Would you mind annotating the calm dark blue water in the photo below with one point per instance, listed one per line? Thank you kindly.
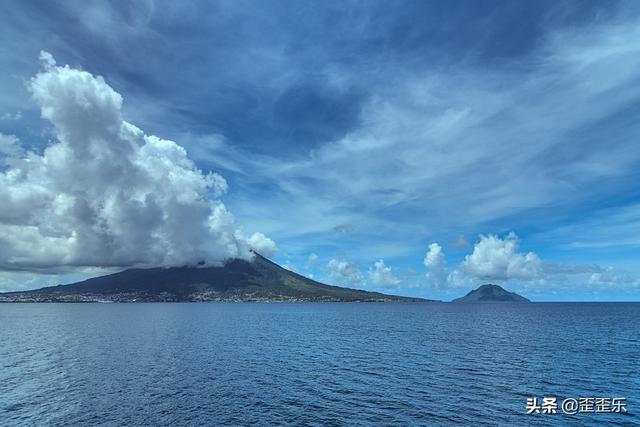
(313, 364)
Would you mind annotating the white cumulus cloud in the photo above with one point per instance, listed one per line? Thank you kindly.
(261, 244)
(382, 276)
(104, 193)
(494, 258)
(436, 263)
(344, 272)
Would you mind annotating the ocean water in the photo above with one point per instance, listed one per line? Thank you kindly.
(314, 364)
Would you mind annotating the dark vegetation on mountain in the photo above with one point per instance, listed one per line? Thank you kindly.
(491, 293)
(237, 280)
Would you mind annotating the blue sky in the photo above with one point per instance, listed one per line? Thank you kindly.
(357, 134)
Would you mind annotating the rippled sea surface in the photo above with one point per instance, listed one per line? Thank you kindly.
(314, 364)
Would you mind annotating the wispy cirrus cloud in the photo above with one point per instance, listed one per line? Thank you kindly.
(474, 147)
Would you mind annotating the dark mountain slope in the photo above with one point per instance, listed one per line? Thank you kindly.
(491, 293)
(238, 280)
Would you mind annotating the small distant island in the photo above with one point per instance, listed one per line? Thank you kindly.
(490, 293)
(238, 280)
